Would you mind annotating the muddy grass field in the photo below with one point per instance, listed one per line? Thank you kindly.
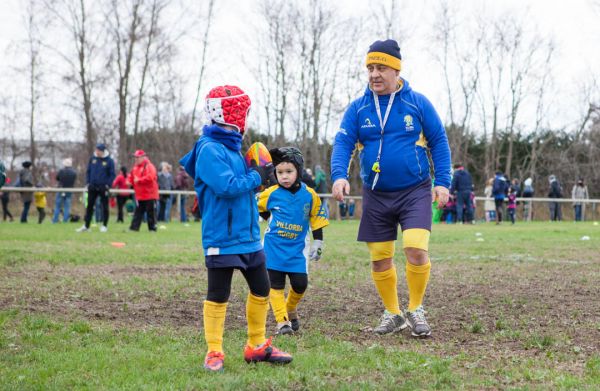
(511, 307)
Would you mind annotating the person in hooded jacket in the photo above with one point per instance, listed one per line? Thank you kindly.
(99, 177)
(144, 180)
(230, 231)
(555, 191)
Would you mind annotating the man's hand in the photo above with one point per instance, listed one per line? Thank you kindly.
(441, 194)
(340, 187)
(316, 249)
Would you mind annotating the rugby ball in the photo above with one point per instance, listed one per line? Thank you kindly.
(258, 155)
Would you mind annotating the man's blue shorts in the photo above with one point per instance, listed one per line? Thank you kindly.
(384, 210)
(237, 261)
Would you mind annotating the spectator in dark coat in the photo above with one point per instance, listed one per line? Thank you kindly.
(555, 192)
(462, 186)
(26, 180)
(307, 178)
(165, 182)
(66, 179)
(182, 182)
(100, 175)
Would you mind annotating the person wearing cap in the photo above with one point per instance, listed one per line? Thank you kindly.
(393, 127)
(99, 176)
(230, 233)
(144, 180)
(25, 179)
(66, 177)
(292, 209)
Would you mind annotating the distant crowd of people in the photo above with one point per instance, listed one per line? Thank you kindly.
(100, 176)
(501, 202)
(144, 204)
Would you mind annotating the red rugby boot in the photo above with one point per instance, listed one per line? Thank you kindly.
(214, 361)
(267, 353)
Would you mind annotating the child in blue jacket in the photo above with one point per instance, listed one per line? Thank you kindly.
(230, 230)
(294, 209)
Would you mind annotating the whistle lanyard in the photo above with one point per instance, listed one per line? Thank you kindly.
(382, 124)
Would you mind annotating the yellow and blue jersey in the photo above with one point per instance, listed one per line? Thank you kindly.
(286, 241)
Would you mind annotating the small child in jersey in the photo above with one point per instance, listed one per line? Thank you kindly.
(40, 203)
(292, 209)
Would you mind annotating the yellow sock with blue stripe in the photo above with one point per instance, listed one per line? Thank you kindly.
(293, 299)
(386, 284)
(256, 315)
(417, 277)
(277, 299)
(214, 323)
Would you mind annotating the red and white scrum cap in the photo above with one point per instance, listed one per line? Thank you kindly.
(228, 105)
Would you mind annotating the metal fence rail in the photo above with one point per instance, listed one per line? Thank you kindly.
(538, 204)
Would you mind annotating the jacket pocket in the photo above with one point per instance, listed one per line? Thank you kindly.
(229, 221)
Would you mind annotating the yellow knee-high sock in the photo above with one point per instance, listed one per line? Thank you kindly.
(256, 315)
(293, 298)
(386, 284)
(417, 277)
(277, 298)
(214, 322)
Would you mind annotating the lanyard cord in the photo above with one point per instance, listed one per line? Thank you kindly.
(382, 124)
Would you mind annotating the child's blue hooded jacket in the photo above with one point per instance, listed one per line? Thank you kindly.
(225, 189)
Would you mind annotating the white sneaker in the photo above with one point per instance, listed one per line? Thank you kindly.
(104, 228)
(82, 229)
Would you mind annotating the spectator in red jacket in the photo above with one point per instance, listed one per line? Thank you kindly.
(120, 183)
(144, 180)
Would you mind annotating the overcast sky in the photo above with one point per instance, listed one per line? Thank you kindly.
(573, 24)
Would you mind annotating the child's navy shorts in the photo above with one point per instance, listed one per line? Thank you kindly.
(238, 261)
(384, 210)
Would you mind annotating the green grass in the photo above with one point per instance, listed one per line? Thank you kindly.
(518, 310)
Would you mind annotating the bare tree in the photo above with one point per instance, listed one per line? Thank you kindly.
(126, 35)
(33, 42)
(464, 61)
(205, 35)
(150, 36)
(74, 16)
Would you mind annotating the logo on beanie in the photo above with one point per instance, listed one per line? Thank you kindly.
(367, 124)
(408, 123)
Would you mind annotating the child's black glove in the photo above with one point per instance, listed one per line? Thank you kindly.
(266, 172)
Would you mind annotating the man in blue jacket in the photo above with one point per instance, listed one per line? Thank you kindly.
(99, 177)
(462, 186)
(392, 127)
(230, 230)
